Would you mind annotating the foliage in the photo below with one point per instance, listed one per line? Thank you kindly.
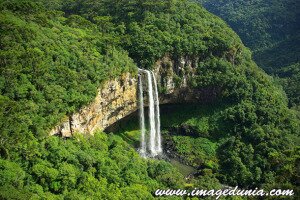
(154, 28)
(235, 148)
(81, 167)
(50, 67)
(261, 24)
(196, 151)
(55, 54)
(270, 28)
(290, 80)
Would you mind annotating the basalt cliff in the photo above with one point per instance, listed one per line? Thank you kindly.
(117, 98)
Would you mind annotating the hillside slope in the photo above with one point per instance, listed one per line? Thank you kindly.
(55, 54)
(261, 24)
(269, 28)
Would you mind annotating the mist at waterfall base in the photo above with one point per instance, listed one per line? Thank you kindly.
(150, 143)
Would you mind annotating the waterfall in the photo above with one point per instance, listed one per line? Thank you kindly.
(154, 146)
(151, 115)
(157, 119)
(142, 118)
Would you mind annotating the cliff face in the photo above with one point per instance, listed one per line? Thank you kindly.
(118, 98)
(174, 78)
(115, 99)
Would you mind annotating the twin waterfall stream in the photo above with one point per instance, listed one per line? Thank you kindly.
(151, 142)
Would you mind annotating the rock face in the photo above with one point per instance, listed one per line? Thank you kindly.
(118, 98)
(115, 100)
(174, 77)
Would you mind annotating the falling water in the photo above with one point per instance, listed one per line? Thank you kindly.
(154, 146)
(151, 115)
(142, 118)
(157, 118)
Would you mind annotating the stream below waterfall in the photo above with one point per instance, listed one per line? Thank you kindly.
(185, 170)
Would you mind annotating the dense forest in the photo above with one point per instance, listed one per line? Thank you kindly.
(266, 27)
(271, 29)
(54, 54)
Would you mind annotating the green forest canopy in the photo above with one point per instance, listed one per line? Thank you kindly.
(271, 29)
(54, 56)
(261, 24)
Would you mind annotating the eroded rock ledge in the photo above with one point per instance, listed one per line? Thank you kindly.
(117, 98)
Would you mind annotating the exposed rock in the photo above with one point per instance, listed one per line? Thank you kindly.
(174, 77)
(115, 100)
(118, 98)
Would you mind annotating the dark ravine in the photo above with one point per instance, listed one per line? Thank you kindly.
(117, 98)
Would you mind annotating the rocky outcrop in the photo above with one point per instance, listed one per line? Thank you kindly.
(117, 98)
(174, 76)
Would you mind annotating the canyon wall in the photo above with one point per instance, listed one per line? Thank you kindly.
(174, 76)
(117, 98)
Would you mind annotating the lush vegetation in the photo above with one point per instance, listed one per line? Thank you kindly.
(269, 27)
(217, 146)
(100, 167)
(226, 151)
(290, 79)
(54, 54)
(261, 24)
(50, 66)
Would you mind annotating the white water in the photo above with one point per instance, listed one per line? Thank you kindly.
(142, 118)
(151, 115)
(154, 145)
(157, 118)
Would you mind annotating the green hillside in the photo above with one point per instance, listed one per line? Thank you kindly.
(270, 28)
(260, 24)
(53, 56)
